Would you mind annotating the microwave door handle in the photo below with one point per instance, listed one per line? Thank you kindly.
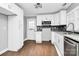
(70, 43)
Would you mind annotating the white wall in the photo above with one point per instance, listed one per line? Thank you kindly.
(15, 29)
(73, 5)
(3, 32)
(25, 27)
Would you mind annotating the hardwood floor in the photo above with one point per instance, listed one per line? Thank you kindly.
(31, 48)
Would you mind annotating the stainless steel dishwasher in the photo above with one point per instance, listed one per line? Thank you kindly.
(71, 47)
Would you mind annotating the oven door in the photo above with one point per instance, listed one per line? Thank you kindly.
(70, 48)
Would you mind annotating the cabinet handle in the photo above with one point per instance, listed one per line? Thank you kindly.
(70, 43)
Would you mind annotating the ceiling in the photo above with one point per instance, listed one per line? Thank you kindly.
(47, 8)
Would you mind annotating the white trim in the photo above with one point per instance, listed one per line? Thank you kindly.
(16, 49)
(28, 39)
(38, 41)
(73, 10)
(25, 39)
(1, 52)
(58, 50)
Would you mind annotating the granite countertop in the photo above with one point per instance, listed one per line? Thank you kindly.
(71, 35)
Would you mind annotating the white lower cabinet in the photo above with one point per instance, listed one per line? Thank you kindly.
(38, 37)
(61, 43)
(58, 41)
(53, 37)
(62, 17)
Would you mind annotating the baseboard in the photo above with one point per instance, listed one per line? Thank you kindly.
(1, 52)
(38, 41)
(57, 50)
(28, 39)
(16, 49)
(25, 39)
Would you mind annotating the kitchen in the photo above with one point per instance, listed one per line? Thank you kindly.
(40, 23)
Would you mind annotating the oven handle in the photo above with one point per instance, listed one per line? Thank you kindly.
(70, 43)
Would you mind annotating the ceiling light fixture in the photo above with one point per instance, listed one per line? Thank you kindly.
(38, 5)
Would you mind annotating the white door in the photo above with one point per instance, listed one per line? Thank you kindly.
(31, 29)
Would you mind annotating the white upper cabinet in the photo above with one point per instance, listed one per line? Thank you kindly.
(56, 19)
(59, 18)
(7, 8)
(39, 20)
(62, 17)
(50, 18)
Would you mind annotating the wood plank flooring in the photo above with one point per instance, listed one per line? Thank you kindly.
(31, 48)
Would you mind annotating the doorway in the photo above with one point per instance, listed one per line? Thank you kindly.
(31, 26)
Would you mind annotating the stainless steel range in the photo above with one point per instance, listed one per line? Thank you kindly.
(71, 47)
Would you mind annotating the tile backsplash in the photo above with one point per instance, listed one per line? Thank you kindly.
(58, 28)
(53, 28)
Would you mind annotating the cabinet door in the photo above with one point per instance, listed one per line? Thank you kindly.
(53, 37)
(38, 37)
(39, 20)
(61, 43)
(62, 17)
(56, 39)
(51, 18)
(56, 19)
(46, 34)
(44, 18)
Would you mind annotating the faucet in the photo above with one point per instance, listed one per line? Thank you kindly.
(72, 25)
